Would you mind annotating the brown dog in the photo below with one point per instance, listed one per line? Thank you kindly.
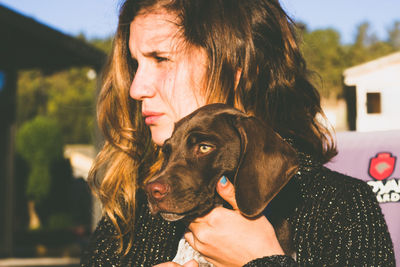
(218, 140)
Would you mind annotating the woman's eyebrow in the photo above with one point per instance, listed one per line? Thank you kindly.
(155, 53)
(152, 53)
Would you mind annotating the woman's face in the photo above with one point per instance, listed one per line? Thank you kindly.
(169, 80)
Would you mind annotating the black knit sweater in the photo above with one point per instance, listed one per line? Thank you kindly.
(336, 222)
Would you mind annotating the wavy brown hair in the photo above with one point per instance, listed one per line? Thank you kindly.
(254, 65)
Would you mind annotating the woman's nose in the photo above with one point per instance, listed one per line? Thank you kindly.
(141, 86)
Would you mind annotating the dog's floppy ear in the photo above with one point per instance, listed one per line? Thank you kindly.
(267, 163)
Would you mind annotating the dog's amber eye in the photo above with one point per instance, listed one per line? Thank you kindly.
(204, 148)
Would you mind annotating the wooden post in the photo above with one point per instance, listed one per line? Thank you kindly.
(8, 88)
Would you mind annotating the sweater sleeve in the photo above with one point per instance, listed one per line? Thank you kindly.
(103, 246)
(365, 237)
(273, 261)
(155, 241)
(341, 224)
(338, 226)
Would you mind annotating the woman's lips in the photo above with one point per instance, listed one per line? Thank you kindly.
(151, 117)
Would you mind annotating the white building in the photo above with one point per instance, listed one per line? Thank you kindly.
(376, 94)
(81, 158)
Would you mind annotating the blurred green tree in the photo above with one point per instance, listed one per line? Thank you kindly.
(66, 96)
(54, 109)
(366, 46)
(39, 142)
(394, 35)
(104, 45)
(71, 101)
(32, 95)
(325, 56)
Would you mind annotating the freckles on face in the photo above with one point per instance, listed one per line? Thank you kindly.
(169, 79)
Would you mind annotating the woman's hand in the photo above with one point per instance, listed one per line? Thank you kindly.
(226, 238)
(191, 263)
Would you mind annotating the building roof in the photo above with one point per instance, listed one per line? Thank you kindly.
(371, 66)
(26, 43)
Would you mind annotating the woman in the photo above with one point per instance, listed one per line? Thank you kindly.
(171, 57)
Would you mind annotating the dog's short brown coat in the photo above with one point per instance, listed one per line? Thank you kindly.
(218, 140)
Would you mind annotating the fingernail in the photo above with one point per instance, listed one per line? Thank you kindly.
(223, 180)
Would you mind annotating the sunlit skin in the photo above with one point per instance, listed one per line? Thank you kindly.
(169, 82)
(170, 72)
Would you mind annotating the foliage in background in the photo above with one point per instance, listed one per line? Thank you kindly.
(55, 200)
(327, 57)
(53, 109)
(104, 45)
(67, 96)
(39, 142)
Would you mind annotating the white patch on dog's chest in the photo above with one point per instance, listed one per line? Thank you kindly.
(186, 253)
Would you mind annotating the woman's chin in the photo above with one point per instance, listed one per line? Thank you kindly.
(159, 135)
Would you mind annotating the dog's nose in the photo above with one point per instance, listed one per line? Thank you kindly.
(157, 190)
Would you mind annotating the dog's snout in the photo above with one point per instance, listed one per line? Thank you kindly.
(157, 190)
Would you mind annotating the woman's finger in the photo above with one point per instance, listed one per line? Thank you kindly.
(190, 239)
(191, 263)
(227, 191)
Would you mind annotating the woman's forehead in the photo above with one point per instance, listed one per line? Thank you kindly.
(154, 31)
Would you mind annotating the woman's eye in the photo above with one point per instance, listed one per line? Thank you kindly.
(160, 59)
(204, 148)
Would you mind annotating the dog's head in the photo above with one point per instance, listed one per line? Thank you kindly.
(213, 141)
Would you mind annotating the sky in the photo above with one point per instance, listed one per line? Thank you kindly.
(98, 18)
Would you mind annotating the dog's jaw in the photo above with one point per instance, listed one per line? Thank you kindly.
(171, 217)
(189, 215)
(168, 216)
